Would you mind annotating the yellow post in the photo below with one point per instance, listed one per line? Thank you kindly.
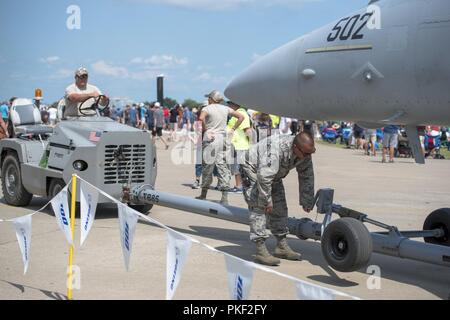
(72, 228)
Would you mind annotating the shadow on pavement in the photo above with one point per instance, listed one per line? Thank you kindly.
(50, 294)
(432, 278)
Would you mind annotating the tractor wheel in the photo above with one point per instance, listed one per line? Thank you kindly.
(439, 219)
(56, 185)
(346, 245)
(13, 189)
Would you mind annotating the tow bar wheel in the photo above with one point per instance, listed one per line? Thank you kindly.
(346, 245)
(439, 219)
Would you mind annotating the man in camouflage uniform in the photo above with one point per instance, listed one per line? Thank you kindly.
(214, 118)
(270, 161)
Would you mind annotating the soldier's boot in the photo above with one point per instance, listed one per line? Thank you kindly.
(224, 200)
(203, 195)
(283, 251)
(263, 255)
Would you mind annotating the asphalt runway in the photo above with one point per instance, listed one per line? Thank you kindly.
(401, 194)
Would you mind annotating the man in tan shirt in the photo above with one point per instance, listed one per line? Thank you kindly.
(79, 92)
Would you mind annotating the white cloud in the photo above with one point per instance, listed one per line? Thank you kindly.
(50, 60)
(62, 74)
(218, 5)
(207, 77)
(103, 68)
(160, 61)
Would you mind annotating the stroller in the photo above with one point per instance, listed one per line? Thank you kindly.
(433, 146)
(329, 135)
(403, 148)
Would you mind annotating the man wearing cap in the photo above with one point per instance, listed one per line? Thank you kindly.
(270, 161)
(214, 118)
(79, 92)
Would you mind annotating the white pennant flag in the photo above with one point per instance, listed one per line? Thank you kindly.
(240, 278)
(177, 251)
(309, 292)
(127, 222)
(88, 206)
(23, 234)
(62, 213)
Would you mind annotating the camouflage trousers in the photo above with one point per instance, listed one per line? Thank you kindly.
(259, 220)
(214, 155)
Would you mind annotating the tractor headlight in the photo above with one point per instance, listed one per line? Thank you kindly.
(80, 165)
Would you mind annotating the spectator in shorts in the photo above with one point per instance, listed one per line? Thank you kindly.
(371, 139)
(390, 142)
(358, 133)
(159, 123)
(173, 122)
(151, 119)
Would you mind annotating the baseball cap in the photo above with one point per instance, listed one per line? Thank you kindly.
(215, 96)
(157, 104)
(81, 72)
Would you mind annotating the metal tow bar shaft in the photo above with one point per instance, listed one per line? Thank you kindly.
(303, 228)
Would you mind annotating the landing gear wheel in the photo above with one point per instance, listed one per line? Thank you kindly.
(439, 219)
(13, 189)
(144, 209)
(346, 245)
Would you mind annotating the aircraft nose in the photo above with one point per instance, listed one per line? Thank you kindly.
(271, 83)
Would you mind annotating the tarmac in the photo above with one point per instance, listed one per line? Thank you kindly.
(400, 194)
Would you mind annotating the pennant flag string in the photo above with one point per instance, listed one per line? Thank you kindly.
(240, 271)
(254, 265)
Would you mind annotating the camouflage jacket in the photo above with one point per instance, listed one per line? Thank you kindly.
(274, 160)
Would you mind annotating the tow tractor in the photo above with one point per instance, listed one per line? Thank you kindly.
(39, 159)
(120, 160)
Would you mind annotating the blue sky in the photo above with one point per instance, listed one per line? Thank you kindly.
(199, 45)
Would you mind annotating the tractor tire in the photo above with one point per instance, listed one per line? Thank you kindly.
(56, 185)
(13, 189)
(438, 219)
(346, 245)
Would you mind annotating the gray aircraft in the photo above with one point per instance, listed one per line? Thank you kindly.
(387, 63)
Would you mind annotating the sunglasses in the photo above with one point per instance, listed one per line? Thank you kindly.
(83, 76)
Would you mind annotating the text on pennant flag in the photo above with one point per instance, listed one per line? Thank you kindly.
(178, 248)
(23, 234)
(240, 277)
(62, 213)
(88, 207)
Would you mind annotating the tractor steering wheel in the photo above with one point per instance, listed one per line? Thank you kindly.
(83, 109)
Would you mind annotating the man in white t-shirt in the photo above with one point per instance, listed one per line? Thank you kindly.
(52, 115)
(79, 92)
(215, 118)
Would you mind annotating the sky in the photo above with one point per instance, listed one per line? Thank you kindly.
(198, 45)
